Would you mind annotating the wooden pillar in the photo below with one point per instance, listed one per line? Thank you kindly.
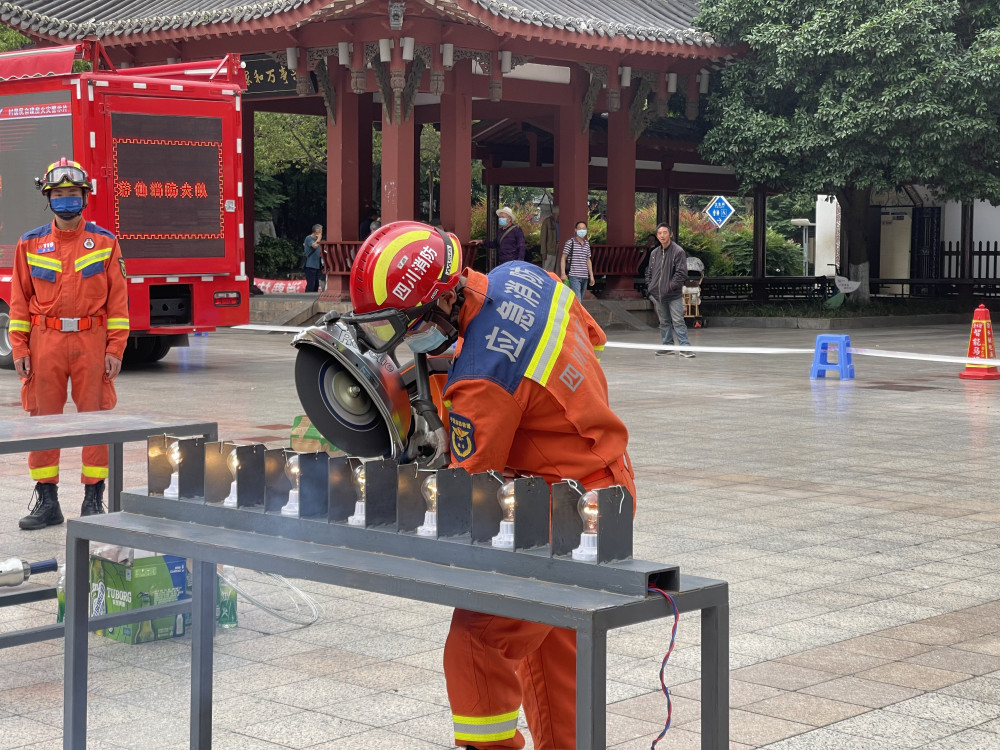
(758, 268)
(398, 178)
(366, 180)
(668, 208)
(492, 206)
(456, 151)
(343, 201)
(621, 175)
(572, 159)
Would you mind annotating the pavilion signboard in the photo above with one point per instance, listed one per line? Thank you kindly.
(266, 77)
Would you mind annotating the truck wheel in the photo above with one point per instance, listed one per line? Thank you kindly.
(6, 352)
(160, 348)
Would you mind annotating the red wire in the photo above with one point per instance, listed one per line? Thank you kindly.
(663, 665)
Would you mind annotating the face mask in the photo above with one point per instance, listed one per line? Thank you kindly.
(581, 232)
(503, 222)
(427, 341)
(67, 208)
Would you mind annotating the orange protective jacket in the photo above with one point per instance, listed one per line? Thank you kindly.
(69, 274)
(526, 391)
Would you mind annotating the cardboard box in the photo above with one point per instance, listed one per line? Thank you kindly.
(150, 579)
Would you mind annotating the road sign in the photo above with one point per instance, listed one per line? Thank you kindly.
(719, 211)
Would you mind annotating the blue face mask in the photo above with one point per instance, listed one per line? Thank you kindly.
(426, 341)
(503, 222)
(67, 208)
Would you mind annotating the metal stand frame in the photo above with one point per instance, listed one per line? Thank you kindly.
(74, 431)
(588, 611)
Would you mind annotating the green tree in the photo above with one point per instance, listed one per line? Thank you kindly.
(11, 40)
(851, 97)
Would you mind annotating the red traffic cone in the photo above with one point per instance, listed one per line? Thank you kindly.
(981, 347)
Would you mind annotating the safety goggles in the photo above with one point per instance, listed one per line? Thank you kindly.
(383, 330)
(66, 177)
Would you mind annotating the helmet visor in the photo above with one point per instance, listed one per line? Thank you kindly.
(66, 177)
(383, 330)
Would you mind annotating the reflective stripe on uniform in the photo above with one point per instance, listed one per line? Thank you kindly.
(45, 472)
(95, 472)
(19, 325)
(117, 323)
(599, 350)
(485, 728)
(550, 345)
(43, 262)
(98, 255)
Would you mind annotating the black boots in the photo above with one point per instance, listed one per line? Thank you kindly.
(44, 511)
(93, 499)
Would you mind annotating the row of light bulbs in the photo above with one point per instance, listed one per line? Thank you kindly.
(587, 506)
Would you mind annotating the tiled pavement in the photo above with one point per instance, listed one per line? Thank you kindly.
(856, 523)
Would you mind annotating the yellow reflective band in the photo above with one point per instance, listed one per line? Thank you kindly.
(550, 345)
(46, 472)
(385, 261)
(42, 262)
(19, 325)
(93, 257)
(599, 348)
(117, 323)
(484, 719)
(485, 728)
(95, 472)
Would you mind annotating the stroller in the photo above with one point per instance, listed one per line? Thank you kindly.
(692, 293)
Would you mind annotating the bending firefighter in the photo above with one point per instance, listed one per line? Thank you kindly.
(526, 396)
(68, 323)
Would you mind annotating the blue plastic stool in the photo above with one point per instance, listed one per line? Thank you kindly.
(821, 362)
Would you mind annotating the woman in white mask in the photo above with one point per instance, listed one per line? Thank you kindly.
(575, 267)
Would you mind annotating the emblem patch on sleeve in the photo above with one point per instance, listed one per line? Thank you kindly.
(463, 437)
(121, 262)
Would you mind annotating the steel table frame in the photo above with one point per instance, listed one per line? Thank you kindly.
(591, 613)
(75, 430)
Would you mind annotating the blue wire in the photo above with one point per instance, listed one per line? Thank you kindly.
(663, 665)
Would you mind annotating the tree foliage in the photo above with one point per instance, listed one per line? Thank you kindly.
(851, 97)
(11, 40)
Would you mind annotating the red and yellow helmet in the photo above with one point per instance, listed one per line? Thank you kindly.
(64, 173)
(404, 265)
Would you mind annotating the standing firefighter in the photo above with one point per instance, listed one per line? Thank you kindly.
(68, 322)
(526, 396)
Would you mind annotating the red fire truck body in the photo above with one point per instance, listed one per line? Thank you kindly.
(163, 148)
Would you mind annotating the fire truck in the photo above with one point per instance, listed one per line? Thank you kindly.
(162, 146)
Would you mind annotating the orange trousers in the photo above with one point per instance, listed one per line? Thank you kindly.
(58, 359)
(493, 665)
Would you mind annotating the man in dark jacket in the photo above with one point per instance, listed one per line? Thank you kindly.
(665, 278)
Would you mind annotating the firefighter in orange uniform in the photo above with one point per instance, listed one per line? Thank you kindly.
(68, 322)
(526, 396)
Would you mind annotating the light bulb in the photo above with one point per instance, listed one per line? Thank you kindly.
(360, 483)
(292, 470)
(505, 495)
(587, 508)
(359, 480)
(233, 464)
(174, 458)
(294, 473)
(429, 490)
(174, 454)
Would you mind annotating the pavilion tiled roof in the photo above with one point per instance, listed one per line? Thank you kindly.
(666, 21)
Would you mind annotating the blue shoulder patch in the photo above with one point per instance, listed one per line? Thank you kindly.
(501, 340)
(97, 229)
(38, 232)
(463, 437)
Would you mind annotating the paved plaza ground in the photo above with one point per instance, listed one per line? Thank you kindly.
(856, 522)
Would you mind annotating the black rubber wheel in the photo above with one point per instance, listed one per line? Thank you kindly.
(6, 353)
(159, 350)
